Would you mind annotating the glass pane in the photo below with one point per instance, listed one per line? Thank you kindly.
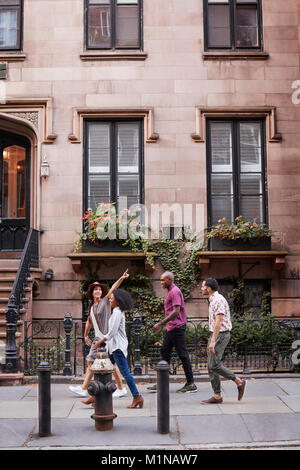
(221, 146)
(128, 2)
(99, 148)
(251, 184)
(98, 191)
(254, 293)
(128, 186)
(9, 28)
(219, 26)
(99, 26)
(221, 184)
(246, 26)
(14, 182)
(252, 208)
(218, 1)
(250, 147)
(221, 206)
(10, 2)
(246, 1)
(128, 147)
(127, 26)
(99, 2)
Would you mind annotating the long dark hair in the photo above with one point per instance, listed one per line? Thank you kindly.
(123, 299)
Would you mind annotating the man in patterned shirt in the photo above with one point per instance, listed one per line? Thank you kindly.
(220, 327)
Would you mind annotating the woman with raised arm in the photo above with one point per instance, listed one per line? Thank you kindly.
(99, 314)
(117, 342)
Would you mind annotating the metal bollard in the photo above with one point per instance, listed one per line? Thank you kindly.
(68, 325)
(163, 398)
(102, 389)
(44, 397)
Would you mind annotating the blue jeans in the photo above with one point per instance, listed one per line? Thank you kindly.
(117, 357)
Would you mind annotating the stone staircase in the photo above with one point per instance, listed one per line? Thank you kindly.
(8, 272)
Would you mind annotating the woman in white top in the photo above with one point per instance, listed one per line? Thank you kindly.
(99, 313)
(117, 342)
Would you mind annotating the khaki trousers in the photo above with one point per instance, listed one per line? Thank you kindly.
(214, 362)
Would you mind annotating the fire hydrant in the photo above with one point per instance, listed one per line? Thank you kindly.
(102, 389)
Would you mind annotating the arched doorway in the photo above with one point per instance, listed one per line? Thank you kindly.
(15, 153)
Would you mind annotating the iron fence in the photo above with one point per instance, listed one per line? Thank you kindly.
(61, 343)
(29, 259)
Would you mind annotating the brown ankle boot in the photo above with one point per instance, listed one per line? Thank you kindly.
(138, 402)
(88, 401)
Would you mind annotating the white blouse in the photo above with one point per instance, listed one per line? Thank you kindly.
(116, 336)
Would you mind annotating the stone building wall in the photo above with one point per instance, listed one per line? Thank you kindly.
(174, 79)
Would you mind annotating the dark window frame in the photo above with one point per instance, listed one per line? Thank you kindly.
(249, 284)
(112, 46)
(20, 6)
(113, 158)
(232, 5)
(236, 166)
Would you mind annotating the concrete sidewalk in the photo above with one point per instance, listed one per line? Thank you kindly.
(268, 416)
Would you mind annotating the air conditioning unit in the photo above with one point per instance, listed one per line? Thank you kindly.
(3, 70)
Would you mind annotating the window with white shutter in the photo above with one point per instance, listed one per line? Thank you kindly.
(113, 162)
(236, 170)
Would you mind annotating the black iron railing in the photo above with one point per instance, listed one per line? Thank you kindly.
(61, 343)
(29, 259)
(53, 341)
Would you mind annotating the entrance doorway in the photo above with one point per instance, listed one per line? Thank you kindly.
(14, 191)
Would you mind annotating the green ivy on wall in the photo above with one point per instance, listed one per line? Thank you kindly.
(173, 256)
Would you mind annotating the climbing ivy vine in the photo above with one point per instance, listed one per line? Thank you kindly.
(173, 256)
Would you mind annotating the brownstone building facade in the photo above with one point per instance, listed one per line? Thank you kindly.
(201, 94)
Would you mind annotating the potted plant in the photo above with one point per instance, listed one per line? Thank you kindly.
(105, 230)
(241, 236)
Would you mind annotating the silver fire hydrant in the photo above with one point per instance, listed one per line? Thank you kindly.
(102, 389)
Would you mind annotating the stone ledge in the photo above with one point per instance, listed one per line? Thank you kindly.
(11, 379)
(241, 112)
(16, 57)
(236, 55)
(100, 55)
(78, 259)
(278, 257)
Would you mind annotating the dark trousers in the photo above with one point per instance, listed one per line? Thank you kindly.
(176, 338)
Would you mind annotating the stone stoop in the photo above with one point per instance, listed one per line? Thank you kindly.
(8, 272)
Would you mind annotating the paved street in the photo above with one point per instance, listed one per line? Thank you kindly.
(268, 416)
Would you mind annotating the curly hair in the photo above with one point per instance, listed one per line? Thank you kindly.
(123, 299)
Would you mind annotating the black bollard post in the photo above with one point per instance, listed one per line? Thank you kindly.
(68, 325)
(163, 398)
(44, 395)
(11, 352)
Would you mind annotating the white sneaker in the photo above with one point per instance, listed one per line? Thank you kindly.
(78, 390)
(120, 393)
(75, 387)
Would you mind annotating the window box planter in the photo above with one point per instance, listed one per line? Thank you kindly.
(104, 246)
(225, 244)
